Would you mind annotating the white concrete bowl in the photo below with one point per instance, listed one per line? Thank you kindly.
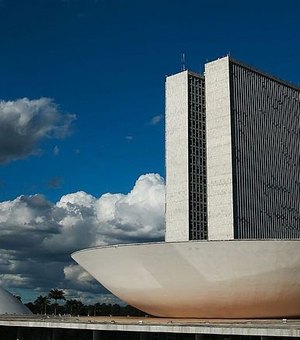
(202, 279)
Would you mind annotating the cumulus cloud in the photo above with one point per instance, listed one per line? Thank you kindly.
(80, 280)
(113, 218)
(37, 236)
(24, 123)
(74, 272)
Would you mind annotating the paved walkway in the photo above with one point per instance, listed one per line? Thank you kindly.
(272, 327)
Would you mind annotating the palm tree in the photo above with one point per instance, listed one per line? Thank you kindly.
(56, 294)
(74, 307)
(42, 302)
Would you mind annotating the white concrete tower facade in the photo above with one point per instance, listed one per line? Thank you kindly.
(232, 155)
(177, 203)
(186, 196)
(219, 146)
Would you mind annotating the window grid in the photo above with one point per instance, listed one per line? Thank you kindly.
(266, 144)
(197, 158)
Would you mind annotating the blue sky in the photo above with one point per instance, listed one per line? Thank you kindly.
(105, 62)
(103, 65)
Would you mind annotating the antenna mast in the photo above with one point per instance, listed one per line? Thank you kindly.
(183, 62)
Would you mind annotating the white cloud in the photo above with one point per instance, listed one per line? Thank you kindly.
(73, 201)
(113, 218)
(17, 280)
(156, 119)
(24, 123)
(80, 280)
(136, 215)
(74, 271)
(37, 236)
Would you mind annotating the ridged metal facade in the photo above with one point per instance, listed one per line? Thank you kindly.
(265, 120)
(197, 158)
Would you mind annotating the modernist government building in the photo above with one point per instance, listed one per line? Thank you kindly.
(232, 155)
(232, 245)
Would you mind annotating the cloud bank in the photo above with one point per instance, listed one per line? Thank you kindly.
(38, 236)
(24, 123)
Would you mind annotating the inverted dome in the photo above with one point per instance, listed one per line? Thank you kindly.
(11, 305)
(202, 279)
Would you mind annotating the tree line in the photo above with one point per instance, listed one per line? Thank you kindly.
(48, 304)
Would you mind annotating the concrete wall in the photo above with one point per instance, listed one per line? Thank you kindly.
(177, 207)
(219, 158)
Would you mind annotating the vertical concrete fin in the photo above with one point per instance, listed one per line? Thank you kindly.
(177, 195)
(219, 150)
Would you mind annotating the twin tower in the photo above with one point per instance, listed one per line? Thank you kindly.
(232, 155)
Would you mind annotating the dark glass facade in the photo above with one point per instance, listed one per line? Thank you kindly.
(265, 120)
(197, 158)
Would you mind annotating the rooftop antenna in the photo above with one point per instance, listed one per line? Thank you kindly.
(183, 62)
